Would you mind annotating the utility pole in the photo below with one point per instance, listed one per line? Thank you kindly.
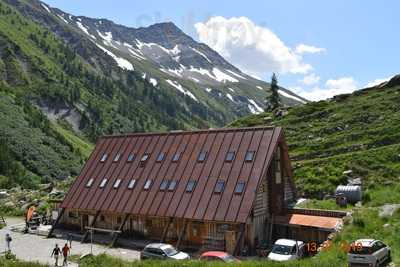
(91, 241)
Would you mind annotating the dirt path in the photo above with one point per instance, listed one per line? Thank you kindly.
(36, 248)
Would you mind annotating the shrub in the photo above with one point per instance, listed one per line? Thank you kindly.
(359, 222)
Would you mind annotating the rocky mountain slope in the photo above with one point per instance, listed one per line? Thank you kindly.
(348, 137)
(167, 58)
(65, 80)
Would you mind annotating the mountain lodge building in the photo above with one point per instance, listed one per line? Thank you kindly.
(214, 189)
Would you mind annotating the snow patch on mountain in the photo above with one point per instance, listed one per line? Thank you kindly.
(222, 76)
(281, 92)
(208, 90)
(230, 89)
(259, 87)
(176, 72)
(135, 54)
(237, 75)
(201, 54)
(122, 63)
(173, 52)
(84, 29)
(254, 107)
(46, 8)
(181, 89)
(63, 19)
(107, 37)
(230, 97)
(153, 81)
(202, 72)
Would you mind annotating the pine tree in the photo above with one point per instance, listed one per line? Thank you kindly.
(273, 100)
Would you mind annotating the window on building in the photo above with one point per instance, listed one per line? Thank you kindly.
(102, 218)
(90, 182)
(119, 220)
(131, 157)
(240, 187)
(278, 171)
(147, 184)
(202, 156)
(249, 156)
(219, 187)
(132, 183)
(103, 183)
(190, 186)
(230, 156)
(164, 185)
(176, 157)
(172, 185)
(117, 157)
(145, 157)
(117, 183)
(161, 157)
(104, 157)
(73, 215)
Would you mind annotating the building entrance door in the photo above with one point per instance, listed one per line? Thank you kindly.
(84, 222)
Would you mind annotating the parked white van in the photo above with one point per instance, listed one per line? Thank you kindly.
(286, 250)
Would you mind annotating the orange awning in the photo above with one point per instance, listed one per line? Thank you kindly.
(310, 221)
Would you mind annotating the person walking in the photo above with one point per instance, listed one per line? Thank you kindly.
(56, 253)
(8, 242)
(69, 240)
(65, 251)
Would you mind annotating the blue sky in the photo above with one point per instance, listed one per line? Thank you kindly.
(347, 43)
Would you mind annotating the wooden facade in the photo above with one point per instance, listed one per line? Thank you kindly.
(241, 183)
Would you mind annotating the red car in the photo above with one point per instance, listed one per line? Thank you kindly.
(218, 256)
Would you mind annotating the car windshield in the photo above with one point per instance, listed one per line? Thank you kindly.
(360, 250)
(229, 258)
(284, 250)
(170, 251)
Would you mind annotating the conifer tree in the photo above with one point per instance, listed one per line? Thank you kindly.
(273, 100)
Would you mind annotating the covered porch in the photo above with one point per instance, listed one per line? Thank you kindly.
(137, 231)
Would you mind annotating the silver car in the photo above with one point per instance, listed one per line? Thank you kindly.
(368, 252)
(161, 251)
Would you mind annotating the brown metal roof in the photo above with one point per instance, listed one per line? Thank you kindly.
(330, 223)
(200, 204)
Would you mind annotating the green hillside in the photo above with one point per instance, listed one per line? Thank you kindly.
(358, 132)
(54, 103)
(36, 71)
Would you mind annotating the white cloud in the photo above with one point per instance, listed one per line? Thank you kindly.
(310, 79)
(303, 49)
(377, 82)
(254, 49)
(332, 87)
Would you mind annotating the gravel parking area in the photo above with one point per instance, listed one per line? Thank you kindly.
(36, 248)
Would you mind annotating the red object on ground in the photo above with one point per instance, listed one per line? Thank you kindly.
(218, 255)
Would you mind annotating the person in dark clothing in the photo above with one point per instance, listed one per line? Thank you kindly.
(8, 242)
(65, 251)
(69, 240)
(56, 253)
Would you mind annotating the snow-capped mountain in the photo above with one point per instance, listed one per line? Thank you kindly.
(164, 56)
